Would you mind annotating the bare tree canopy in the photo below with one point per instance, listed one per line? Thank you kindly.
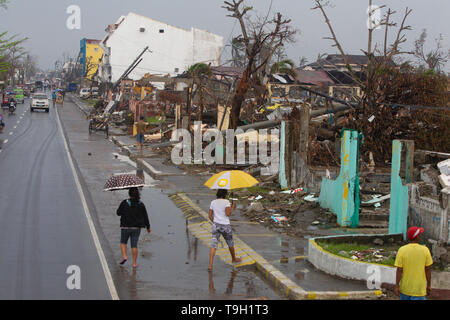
(386, 85)
(434, 59)
(261, 37)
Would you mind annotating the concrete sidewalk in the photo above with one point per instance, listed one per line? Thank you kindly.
(281, 260)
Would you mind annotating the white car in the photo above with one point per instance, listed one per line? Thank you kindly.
(94, 92)
(85, 93)
(40, 101)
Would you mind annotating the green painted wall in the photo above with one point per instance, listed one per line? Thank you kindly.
(398, 214)
(341, 196)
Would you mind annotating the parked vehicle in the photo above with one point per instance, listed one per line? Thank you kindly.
(85, 93)
(40, 101)
(94, 93)
(71, 87)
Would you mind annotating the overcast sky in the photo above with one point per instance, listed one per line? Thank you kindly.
(44, 22)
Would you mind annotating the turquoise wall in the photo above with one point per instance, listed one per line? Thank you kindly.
(341, 196)
(398, 214)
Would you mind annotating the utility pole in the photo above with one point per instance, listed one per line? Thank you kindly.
(131, 67)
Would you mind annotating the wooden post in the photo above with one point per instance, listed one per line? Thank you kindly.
(188, 105)
(185, 123)
(409, 161)
(305, 114)
(177, 116)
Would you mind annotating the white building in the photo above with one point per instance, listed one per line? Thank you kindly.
(173, 49)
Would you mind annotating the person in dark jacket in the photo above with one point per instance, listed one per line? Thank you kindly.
(133, 217)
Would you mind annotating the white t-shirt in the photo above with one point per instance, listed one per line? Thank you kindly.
(218, 207)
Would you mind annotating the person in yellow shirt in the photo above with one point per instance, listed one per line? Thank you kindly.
(413, 262)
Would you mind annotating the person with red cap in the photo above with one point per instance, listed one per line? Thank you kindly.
(413, 262)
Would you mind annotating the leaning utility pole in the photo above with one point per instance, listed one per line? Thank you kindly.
(131, 68)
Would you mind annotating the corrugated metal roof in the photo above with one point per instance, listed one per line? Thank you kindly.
(313, 77)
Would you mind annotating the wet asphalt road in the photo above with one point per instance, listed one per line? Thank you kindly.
(43, 227)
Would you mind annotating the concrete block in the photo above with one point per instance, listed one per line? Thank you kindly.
(444, 180)
(444, 167)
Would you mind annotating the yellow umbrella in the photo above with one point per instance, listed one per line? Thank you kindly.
(229, 180)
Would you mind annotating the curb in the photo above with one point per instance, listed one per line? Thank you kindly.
(277, 279)
(74, 101)
(345, 267)
(121, 145)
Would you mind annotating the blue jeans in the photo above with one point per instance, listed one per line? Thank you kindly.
(405, 297)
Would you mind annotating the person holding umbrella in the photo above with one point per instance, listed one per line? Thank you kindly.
(133, 216)
(221, 209)
(219, 213)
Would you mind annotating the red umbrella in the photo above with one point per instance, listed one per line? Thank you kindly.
(123, 181)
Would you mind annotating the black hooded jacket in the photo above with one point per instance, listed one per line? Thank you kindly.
(133, 214)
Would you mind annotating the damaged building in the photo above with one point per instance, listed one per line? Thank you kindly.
(171, 49)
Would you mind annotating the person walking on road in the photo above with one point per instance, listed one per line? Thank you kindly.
(133, 216)
(413, 262)
(140, 127)
(219, 213)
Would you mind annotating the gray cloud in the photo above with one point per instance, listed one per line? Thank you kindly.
(44, 22)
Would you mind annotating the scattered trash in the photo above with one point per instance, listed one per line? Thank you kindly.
(272, 192)
(255, 207)
(279, 218)
(376, 199)
(258, 197)
(315, 223)
(311, 198)
(294, 191)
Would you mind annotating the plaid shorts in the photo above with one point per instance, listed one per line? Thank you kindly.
(224, 230)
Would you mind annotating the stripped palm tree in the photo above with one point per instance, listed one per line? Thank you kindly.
(199, 73)
(284, 66)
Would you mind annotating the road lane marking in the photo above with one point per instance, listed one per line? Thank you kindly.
(11, 133)
(15, 127)
(5, 141)
(101, 255)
